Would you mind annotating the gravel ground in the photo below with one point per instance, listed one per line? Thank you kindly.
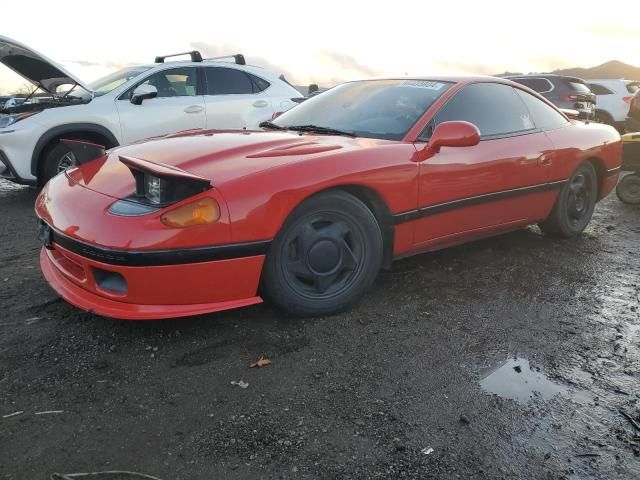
(511, 358)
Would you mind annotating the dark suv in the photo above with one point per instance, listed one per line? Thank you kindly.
(564, 92)
(632, 122)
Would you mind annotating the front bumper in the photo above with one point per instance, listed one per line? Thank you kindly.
(152, 292)
(16, 144)
(8, 172)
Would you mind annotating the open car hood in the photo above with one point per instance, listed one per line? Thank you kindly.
(35, 67)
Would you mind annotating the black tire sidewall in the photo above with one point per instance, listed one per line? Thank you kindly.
(623, 185)
(559, 223)
(274, 282)
(52, 159)
(604, 117)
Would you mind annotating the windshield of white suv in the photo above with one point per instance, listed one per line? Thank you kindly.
(385, 109)
(106, 84)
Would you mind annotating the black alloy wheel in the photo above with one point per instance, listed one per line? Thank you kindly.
(575, 204)
(326, 255)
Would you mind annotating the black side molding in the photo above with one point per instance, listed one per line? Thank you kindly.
(150, 258)
(476, 200)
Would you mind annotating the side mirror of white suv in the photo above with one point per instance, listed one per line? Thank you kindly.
(143, 92)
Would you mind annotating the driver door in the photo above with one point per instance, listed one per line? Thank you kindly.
(498, 183)
(177, 107)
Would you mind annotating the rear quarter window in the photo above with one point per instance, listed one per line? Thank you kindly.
(633, 87)
(599, 89)
(577, 85)
(539, 85)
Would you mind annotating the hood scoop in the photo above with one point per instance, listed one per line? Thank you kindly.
(303, 148)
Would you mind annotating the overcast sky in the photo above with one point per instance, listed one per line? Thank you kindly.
(329, 41)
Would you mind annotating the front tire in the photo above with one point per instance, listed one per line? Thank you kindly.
(328, 252)
(57, 160)
(575, 204)
(628, 190)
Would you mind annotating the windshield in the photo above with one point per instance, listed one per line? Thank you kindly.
(385, 109)
(106, 84)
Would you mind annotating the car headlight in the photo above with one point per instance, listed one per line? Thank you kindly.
(155, 189)
(8, 120)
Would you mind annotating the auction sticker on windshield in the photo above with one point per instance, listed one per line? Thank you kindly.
(428, 84)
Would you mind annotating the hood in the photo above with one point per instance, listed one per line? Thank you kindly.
(220, 156)
(35, 67)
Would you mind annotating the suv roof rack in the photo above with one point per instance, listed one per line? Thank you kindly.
(194, 54)
(238, 58)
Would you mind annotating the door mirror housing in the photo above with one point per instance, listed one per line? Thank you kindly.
(143, 92)
(450, 134)
(454, 134)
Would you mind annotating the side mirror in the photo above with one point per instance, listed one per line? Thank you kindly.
(450, 134)
(143, 92)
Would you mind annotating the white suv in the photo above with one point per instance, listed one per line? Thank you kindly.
(613, 97)
(128, 105)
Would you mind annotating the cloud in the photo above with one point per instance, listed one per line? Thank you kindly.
(84, 63)
(119, 65)
(327, 67)
(209, 50)
(348, 66)
(614, 30)
(462, 68)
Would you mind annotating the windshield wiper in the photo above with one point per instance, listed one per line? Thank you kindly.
(319, 129)
(270, 124)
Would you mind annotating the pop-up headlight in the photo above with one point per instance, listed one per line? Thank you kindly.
(162, 185)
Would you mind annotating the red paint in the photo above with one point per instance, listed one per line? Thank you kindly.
(258, 178)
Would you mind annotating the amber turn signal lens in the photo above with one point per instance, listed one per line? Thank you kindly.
(200, 212)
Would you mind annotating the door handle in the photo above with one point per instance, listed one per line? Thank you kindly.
(193, 109)
(545, 160)
(260, 103)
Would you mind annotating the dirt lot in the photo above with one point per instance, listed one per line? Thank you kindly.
(431, 376)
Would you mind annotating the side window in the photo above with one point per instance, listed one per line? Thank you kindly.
(599, 89)
(175, 82)
(494, 108)
(227, 81)
(540, 85)
(544, 116)
(259, 84)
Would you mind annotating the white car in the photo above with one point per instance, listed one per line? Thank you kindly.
(129, 105)
(613, 99)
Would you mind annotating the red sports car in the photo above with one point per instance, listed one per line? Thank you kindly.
(307, 210)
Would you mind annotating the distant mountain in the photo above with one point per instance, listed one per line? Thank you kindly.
(612, 69)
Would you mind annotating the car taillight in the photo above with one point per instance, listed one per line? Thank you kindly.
(200, 212)
(627, 100)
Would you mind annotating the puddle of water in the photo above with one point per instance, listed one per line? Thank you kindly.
(515, 379)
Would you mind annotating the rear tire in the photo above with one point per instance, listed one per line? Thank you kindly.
(628, 189)
(326, 255)
(575, 204)
(603, 117)
(57, 160)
